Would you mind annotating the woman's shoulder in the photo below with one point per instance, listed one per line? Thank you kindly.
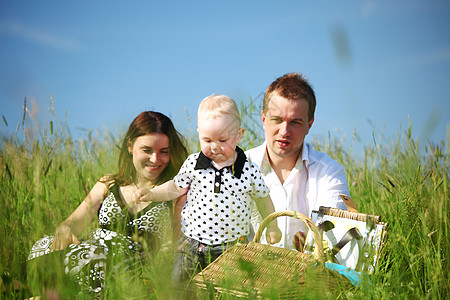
(105, 184)
(107, 179)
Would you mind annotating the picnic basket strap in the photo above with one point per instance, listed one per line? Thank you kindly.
(351, 206)
(352, 233)
(318, 251)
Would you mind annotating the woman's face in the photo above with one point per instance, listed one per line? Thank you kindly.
(150, 156)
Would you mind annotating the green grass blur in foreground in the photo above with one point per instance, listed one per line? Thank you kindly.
(45, 173)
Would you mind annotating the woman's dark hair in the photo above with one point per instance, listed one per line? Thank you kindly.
(148, 122)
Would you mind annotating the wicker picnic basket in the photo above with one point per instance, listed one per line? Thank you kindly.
(352, 239)
(263, 271)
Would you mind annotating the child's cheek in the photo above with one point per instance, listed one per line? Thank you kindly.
(205, 149)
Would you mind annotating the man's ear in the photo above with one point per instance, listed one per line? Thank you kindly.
(263, 116)
(310, 123)
(264, 119)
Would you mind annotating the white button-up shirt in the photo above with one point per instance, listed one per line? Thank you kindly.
(316, 180)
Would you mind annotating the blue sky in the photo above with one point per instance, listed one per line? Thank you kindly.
(373, 64)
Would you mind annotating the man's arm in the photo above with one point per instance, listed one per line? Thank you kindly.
(330, 185)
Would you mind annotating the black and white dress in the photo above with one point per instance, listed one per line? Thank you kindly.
(87, 262)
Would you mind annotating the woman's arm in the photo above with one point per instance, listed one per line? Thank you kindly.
(68, 231)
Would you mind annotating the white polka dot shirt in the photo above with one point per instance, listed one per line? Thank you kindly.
(218, 203)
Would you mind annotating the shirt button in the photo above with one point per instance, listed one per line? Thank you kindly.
(217, 173)
(217, 184)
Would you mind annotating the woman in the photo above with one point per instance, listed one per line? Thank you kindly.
(151, 153)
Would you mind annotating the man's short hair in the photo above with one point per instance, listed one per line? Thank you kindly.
(292, 86)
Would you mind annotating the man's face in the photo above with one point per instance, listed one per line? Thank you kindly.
(285, 126)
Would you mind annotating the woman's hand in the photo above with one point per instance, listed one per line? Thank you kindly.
(63, 238)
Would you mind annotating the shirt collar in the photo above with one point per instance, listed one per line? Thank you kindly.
(302, 160)
(204, 162)
(265, 163)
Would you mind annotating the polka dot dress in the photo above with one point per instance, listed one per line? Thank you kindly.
(86, 262)
(218, 203)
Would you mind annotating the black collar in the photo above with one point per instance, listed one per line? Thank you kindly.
(204, 162)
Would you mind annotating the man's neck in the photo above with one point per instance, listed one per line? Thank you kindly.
(282, 166)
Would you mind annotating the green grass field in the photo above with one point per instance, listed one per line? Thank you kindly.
(45, 173)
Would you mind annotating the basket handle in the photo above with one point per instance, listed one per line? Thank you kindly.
(318, 251)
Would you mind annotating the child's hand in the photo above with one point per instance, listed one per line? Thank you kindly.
(142, 195)
(273, 234)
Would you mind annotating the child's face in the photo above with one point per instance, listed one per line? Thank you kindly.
(219, 137)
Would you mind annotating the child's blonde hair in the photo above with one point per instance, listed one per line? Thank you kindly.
(218, 105)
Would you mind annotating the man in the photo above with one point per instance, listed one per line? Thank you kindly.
(299, 178)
